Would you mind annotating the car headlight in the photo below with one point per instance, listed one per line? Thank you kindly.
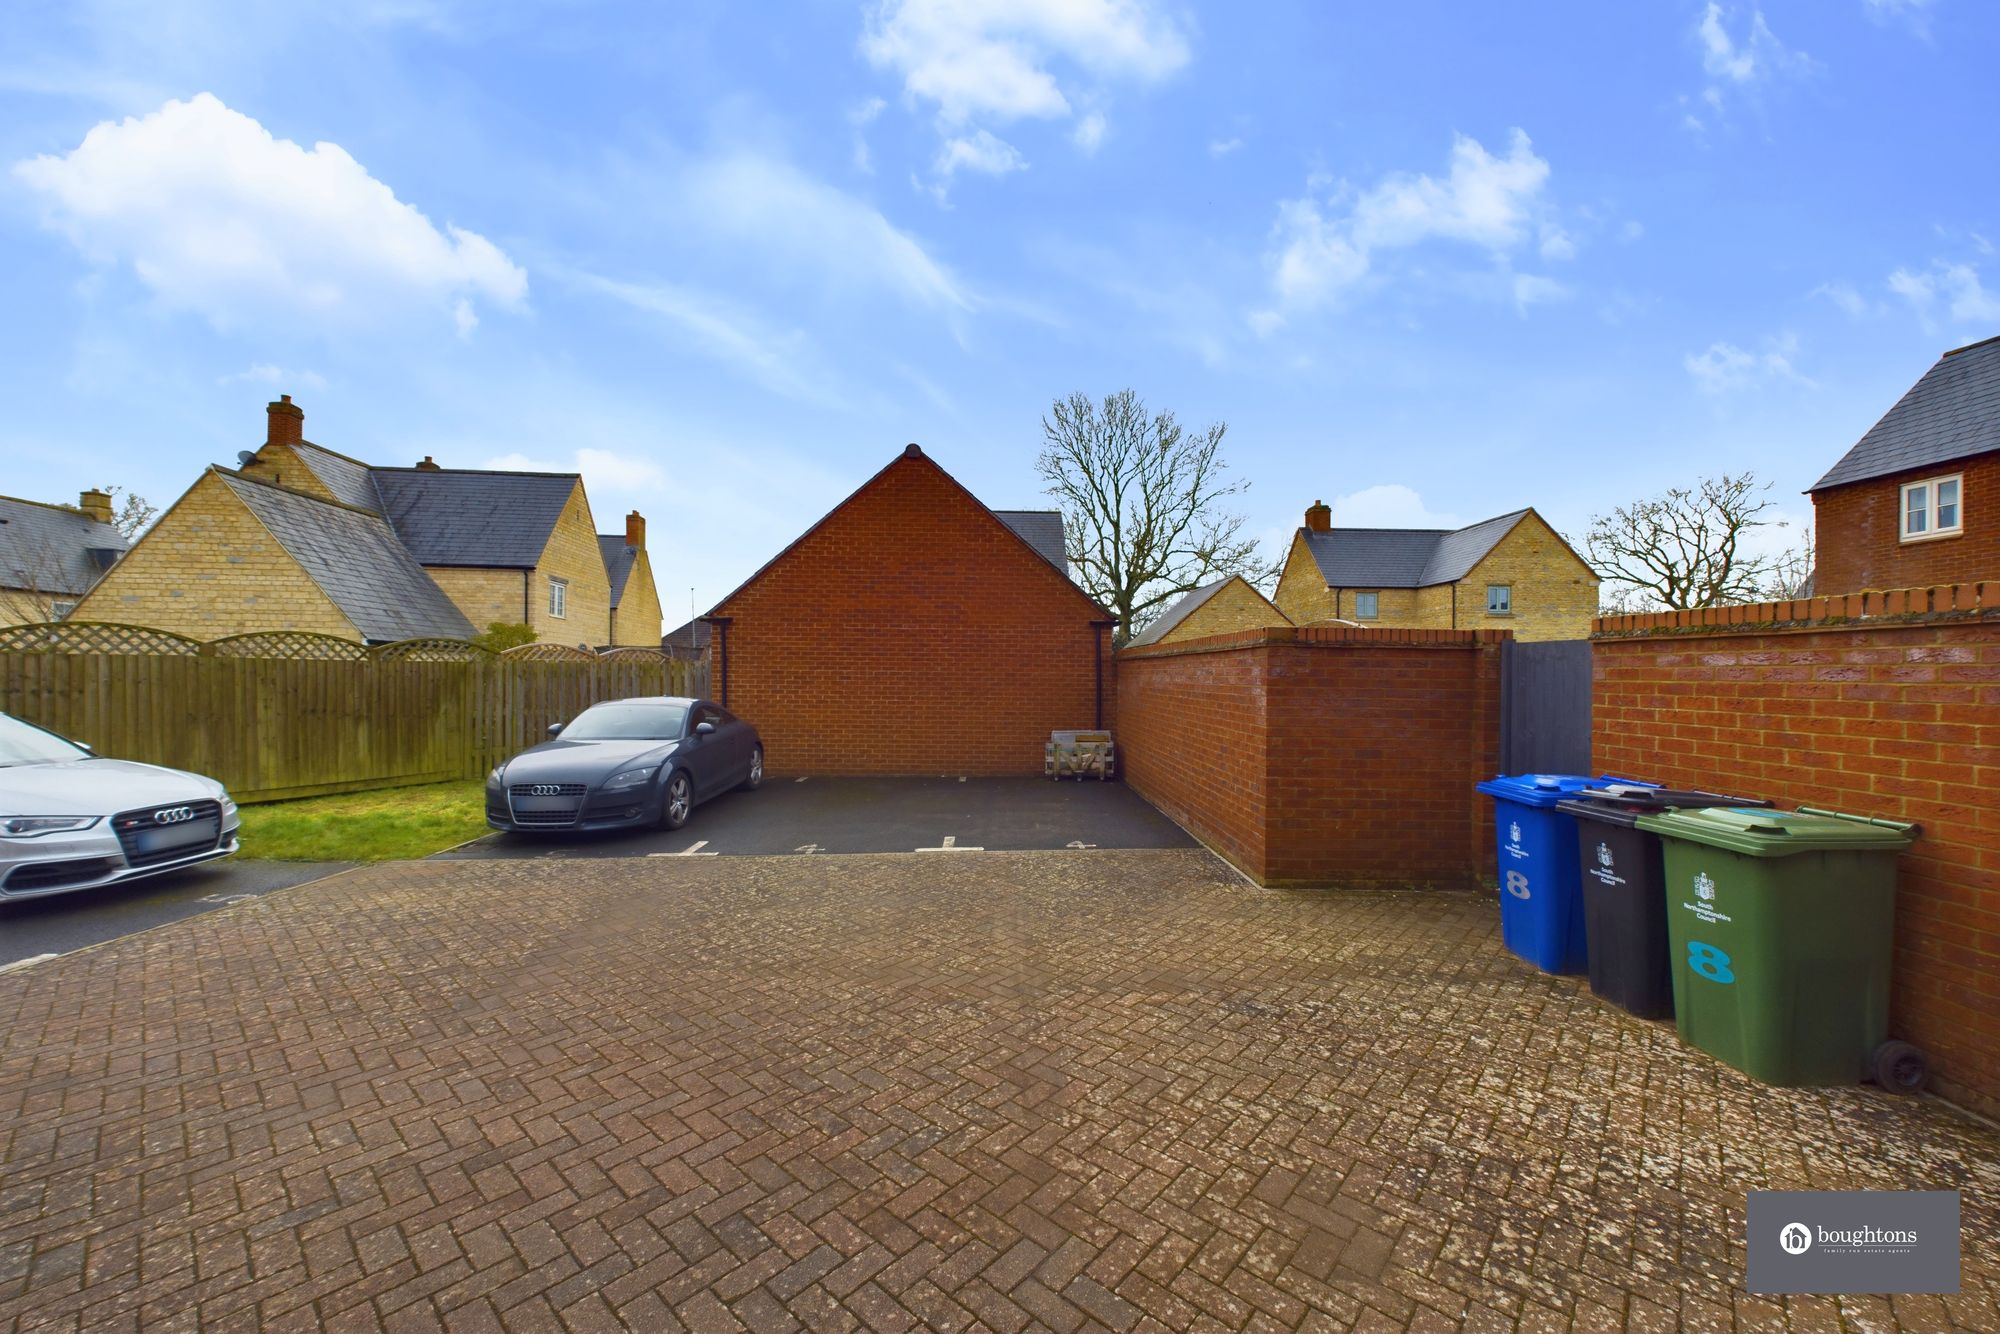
(228, 804)
(27, 826)
(494, 777)
(631, 777)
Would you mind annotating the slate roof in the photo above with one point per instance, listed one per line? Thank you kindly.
(454, 516)
(351, 481)
(357, 560)
(46, 548)
(1042, 530)
(618, 561)
(1953, 412)
(1190, 601)
(1405, 557)
(689, 638)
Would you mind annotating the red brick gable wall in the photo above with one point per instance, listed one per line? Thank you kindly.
(1856, 533)
(911, 632)
(1886, 706)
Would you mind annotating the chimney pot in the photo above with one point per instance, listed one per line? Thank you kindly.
(635, 530)
(1319, 518)
(285, 422)
(96, 504)
(428, 464)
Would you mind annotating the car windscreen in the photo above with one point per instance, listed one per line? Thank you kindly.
(22, 744)
(628, 722)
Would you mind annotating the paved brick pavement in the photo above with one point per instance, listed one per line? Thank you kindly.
(1107, 1089)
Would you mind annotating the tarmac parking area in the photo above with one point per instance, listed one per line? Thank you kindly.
(811, 816)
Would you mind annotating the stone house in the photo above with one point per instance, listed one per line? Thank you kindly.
(52, 555)
(1513, 572)
(300, 537)
(912, 630)
(1913, 503)
(1216, 608)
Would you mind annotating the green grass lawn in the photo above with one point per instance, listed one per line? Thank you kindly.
(387, 824)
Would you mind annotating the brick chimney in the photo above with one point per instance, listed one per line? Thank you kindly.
(1319, 518)
(428, 464)
(635, 531)
(96, 504)
(287, 422)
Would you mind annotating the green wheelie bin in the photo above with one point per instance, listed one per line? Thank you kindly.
(1780, 926)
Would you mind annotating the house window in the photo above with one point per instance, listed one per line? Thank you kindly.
(1367, 606)
(59, 611)
(1931, 508)
(558, 597)
(1499, 599)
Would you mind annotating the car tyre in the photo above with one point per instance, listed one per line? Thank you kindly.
(677, 802)
(1898, 1067)
(756, 778)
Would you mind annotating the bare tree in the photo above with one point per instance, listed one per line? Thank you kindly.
(1691, 547)
(1143, 504)
(134, 516)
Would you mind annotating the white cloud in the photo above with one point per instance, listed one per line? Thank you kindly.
(1224, 147)
(1388, 506)
(991, 57)
(1916, 13)
(794, 221)
(1958, 286)
(1323, 247)
(1089, 132)
(1725, 368)
(861, 117)
(1532, 289)
(1557, 243)
(1738, 63)
(219, 217)
(980, 151)
(274, 375)
(1008, 60)
(1844, 296)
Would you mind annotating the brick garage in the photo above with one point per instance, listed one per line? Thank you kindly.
(911, 631)
(1323, 755)
(1885, 704)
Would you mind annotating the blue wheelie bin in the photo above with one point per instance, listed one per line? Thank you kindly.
(1541, 882)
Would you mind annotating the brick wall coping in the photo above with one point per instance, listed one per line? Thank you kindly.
(1944, 602)
(1321, 636)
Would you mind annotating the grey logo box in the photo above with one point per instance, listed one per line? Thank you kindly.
(1852, 1241)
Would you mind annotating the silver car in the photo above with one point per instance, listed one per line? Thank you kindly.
(69, 820)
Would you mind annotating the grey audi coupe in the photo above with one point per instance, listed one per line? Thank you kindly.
(626, 764)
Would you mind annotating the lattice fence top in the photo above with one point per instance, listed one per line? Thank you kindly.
(96, 637)
(430, 650)
(632, 653)
(294, 644)
(547, 653)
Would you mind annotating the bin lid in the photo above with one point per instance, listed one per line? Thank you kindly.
(1768, 833)
(1546, 789)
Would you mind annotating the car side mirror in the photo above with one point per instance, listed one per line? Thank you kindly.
(85, 747)
(555, 729)
(703, 729)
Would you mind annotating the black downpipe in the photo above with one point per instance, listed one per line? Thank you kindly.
(527, 597)
(721, 624)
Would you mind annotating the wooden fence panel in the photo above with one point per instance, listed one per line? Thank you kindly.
(272, 728)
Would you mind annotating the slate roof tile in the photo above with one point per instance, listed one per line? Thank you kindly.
(1952, 413)
(452, 516)
(47, 548)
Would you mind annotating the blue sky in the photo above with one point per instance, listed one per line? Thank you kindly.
(1430, 261)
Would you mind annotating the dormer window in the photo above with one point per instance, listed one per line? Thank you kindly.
(1932, 508)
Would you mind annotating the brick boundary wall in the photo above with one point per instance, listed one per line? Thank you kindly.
(1321, 756)
(1880, 703)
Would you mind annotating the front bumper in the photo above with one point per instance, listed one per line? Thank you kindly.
(591, 809)
(89, 859)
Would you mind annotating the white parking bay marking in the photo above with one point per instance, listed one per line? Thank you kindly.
(226, 899)
(950, 844)
(1078, 843)
(807, 848)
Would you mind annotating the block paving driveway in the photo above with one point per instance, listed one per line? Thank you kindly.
(990, 1090)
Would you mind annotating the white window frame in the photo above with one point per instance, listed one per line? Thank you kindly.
(558, 598)
(1374, 613)
(1507, 590)
(1932, 529)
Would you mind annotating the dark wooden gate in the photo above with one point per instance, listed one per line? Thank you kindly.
(1545, 707)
